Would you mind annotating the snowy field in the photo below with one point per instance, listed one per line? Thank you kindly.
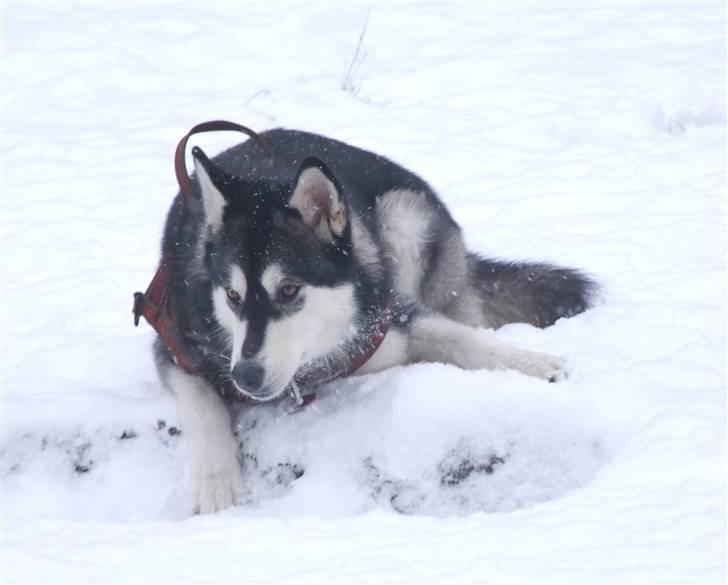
(591, 135)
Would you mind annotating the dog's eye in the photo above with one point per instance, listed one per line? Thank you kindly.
(233, 295)
(287, 293)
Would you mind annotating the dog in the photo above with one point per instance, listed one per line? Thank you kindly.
(329, 259)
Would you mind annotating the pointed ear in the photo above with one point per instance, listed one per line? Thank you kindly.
(317, 197)
(208, 178)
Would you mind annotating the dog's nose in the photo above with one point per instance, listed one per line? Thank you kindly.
(248, 375)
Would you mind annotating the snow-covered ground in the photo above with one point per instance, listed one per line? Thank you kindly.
(591, 135)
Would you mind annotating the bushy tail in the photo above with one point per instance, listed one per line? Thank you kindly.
(529, 292)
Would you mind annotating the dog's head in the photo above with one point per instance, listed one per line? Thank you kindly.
(279, 257)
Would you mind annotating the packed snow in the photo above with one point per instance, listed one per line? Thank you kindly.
(590, 135)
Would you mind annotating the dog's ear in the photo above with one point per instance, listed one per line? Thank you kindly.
(212, 181)
(317, 197)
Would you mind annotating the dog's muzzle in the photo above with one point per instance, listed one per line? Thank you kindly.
(248, 377)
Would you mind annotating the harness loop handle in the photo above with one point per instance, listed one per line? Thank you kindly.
(180, 167)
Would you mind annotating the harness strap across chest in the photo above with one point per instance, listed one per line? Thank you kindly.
(155, 304)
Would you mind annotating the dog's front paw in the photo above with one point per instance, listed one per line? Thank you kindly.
(216, 485)
(544, 366)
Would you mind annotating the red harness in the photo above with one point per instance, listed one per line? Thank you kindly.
(154, 304)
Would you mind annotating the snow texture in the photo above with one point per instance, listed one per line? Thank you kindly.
(591, 135)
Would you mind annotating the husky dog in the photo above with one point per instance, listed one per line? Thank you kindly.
(277, 266)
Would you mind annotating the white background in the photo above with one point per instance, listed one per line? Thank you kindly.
(587, 134)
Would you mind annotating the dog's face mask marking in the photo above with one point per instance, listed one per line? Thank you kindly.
(279, 326)
(278, 258)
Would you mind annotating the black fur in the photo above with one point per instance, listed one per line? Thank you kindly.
(258, 221)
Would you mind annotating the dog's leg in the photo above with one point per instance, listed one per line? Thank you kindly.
(216, 475)
(434, 338)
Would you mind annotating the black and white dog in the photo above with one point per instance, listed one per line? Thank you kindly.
(279, 269)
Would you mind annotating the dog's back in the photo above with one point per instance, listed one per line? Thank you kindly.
(421, 240)
(404, 228)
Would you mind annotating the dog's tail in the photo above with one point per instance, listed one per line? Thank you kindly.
(529, 292)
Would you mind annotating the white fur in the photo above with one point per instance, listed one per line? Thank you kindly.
(434, 338)
(238, 281)
(216, 474)
(439, 339)
(212, 200)
(314, 331)
(271, 279)
(366, 251)
(235, 328)
(392, 352)
(405, 224)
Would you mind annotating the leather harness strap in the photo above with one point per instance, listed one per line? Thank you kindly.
(180, 168)
(154, 304)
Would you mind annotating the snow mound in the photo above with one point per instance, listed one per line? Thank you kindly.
(392, 441)
(399, 442)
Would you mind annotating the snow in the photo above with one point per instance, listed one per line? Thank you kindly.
(592, 135)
